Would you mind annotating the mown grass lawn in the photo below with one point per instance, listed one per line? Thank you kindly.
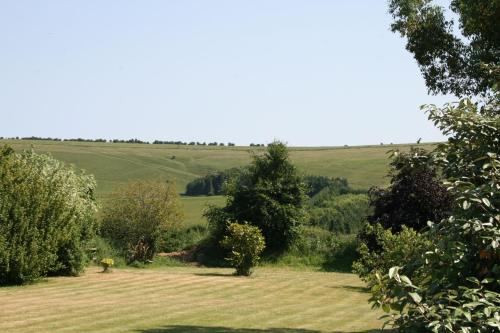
(190, 299)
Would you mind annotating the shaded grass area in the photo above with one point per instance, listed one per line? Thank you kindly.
(343, 255)
(195, 329)
(190, 299)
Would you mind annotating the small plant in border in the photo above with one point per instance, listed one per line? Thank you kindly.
(106, 264)
(245, 243)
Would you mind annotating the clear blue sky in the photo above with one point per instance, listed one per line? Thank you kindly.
(311, 73)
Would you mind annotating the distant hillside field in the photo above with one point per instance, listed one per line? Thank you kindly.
(116, 163)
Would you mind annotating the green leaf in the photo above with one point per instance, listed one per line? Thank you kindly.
(406, 280)
(472, 304)
(487, 280)
(392, 270)
(416, 297)
(466, 205)
(487, 312)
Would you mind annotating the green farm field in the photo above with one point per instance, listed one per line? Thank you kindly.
(116, 163)
(194, 206)
(191, 300)
(113, 164)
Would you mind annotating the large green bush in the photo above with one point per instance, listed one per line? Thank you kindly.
(137, 216)
(405, 246)
(46, 217)
(183, 238)
(245, 244)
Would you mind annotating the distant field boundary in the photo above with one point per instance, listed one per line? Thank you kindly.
(202, 147)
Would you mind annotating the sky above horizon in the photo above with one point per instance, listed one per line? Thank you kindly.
(309, 73)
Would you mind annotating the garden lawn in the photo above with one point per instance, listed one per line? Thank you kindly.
(190, 299)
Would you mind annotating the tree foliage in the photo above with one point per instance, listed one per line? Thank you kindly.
(138, 214)
(415, 195)
(314, 184)
(456, 285)
(245, 244)
(269, 194)
(392, 249)
(211, 184)
(344, 213)
(464, 63)
(46, 217)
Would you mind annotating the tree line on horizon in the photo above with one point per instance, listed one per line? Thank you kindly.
(133, 140)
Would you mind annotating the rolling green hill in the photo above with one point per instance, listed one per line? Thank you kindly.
(116, 163)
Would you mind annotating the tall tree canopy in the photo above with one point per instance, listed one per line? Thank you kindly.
(462, 61)
(269, 194)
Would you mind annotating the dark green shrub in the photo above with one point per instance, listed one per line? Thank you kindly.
(101, 248)
(137, 215)
(416, 194)
(321, 249)
(46, 217)
(313, 241)
(339, 213)
(183, 238)
(210, 253)
(311, 248)
(341, 257)
(245, 243)
(269, 195)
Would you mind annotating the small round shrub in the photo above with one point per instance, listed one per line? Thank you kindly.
(245, 243)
